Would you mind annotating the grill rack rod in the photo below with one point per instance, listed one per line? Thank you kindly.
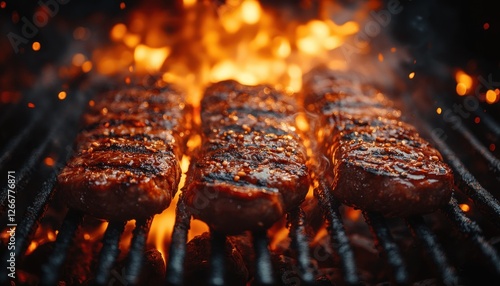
(337, 233)
(489, 122)
(55, 134)
(468, 182)
(177, 251)
(494, 163)
(109, 252)
(37, 91)
(217, 261)
(387, 245)
(300, 243)
(51, 269)
(23, 174)
(16, 142)
(40, 90)
(136, 251)
(263, 265)
(471, 230)
(425, 235)
(27, 225)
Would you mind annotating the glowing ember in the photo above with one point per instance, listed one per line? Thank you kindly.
(477, 120)
(492, 147)
(31, 105)
(118, 32)
(439, 110)
(87, 66)
(36, 46)
(353, 214)
(411, 75)
(464, 207)
(461, 89)
(491, 96)
(464, 82)
(49, 161)
(61, 95)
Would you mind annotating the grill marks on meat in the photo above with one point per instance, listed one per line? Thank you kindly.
(379, 162)
(126, 164)
(251, 167)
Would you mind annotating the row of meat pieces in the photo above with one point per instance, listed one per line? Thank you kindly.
(252, 166)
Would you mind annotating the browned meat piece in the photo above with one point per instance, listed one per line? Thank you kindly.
(378, 163)
(251, 168)
(126, 164)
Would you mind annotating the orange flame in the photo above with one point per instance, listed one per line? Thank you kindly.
(243, 40)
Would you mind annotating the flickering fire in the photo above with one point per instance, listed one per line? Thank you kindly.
(239, 40)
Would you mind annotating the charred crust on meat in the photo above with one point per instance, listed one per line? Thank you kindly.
(380, 163)
(126, 162)
(251, 167)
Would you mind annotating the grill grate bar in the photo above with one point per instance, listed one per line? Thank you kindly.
(23, 175)
(493, 162)
(337, 233)
(300, 244)
(425, 235)
(468, 182)
(136, 252)
(14, 143)
(27, 226)
(177, 251)
(217, 259)
(263, 266)
(384, 240)
(109, 252)
(488, 121)
(50, 270)
(472, 231)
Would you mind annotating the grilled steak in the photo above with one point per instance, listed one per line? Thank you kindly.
(251, 167)
(378, 162)
(126, 164)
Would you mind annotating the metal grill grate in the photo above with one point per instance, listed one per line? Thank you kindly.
(60, 130)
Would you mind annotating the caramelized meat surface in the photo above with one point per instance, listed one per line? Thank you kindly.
(251, 167)
(378, 162)
(126, 164)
